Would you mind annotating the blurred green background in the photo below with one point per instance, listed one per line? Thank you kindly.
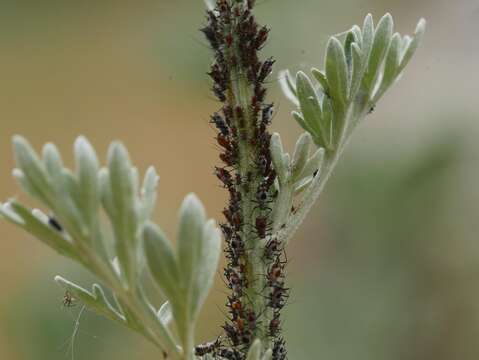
(387, 264)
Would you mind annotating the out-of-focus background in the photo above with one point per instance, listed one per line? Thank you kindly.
(387, 264)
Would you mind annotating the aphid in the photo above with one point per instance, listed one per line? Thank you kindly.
(275, 274)
(274, 325)
(210, 35)
(207, 348)
(229, 40)
(277, 298)
(315, 172)
(267, 113)
(224, 176)
(371, 109)
(279, 350)
(229, 354)
(68, 299)
(224, 142)
(266, 69)
(232, 334)
(227, 158)
(219, 93)
(261, 226)
(272, 247)
(55, 224)
(261, 38)
(220, 124)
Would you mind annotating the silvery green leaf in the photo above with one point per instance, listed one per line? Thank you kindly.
(308, 100)
(33, 170)
(87, 174)
(357, 70)
(165, 314)
(350, 39)
(301, 122)
(357, 35)
(189, 242)
(210, 4)
(337, 74)
(124, 215)
(313, 164)
(162, 262)
(311, 109)
(302, 185)
(19, 215)
(254, 352)
(148, 193)
(207, 265)
(22, 180)
(95, 300)
(382, 37)
(300, 155)
(411, 47)
(268, 355)
(53, 162)
(288, 86)
(322, 80)
(105, 191)
(276, 149)
(368, 35)
(391, 66)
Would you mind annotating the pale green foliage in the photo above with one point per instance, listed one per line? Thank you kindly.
(77, 200)
(358, 71)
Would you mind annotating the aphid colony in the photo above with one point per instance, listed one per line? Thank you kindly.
(248, 175)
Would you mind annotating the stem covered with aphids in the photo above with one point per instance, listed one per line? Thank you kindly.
(255, 265)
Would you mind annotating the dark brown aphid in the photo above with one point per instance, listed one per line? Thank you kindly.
(55, 224)
(279, 350)
(261, 38)
(207, 348)
(267, 114)
(232, 334)
(220, 124)
(224, 142)
(266, 69)
(274, 325)
(261, 226)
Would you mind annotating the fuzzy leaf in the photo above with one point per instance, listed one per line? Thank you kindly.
(162, 262)
(368, 35)
(288, 86)
(207, 265)
(35, 175)
(322, 80)
(148, 193)
(268, 355)
(300, 155)
(124, 216)
(301, 122)
(382, 37)
(276, 149)
(190, 232)
(87, 173)
(411, 47)
(19, 215)
(254, 352)
(337, 74)
(165, 314)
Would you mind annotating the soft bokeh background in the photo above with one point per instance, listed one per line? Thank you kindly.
(387, 264)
